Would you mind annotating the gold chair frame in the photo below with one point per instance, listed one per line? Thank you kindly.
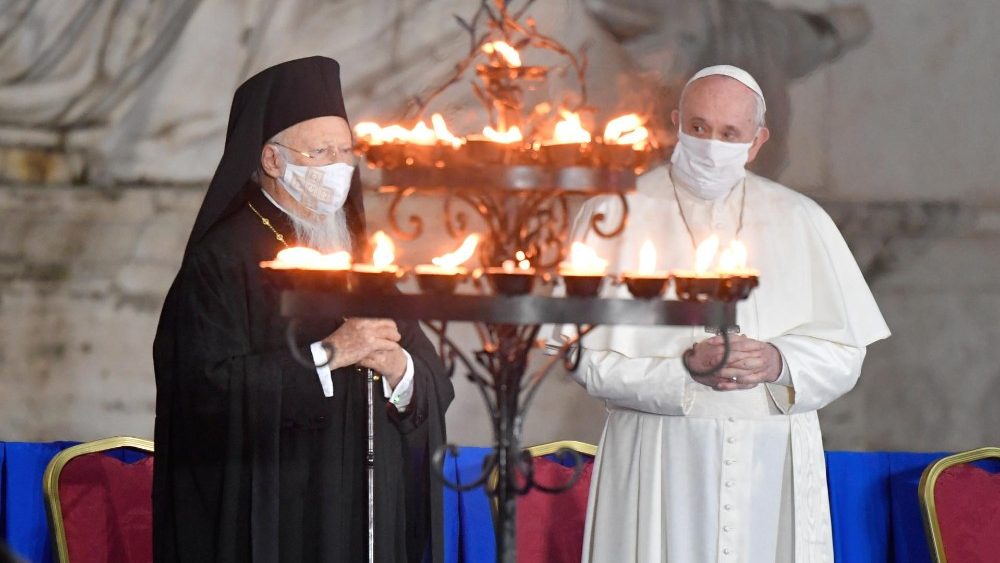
(50, 481)
(928, 480)
(540, 450)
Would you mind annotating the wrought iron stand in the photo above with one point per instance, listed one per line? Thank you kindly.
(509, 328)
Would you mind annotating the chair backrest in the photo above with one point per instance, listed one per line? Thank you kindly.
(550, 525)
(961, 508)
(99, 505)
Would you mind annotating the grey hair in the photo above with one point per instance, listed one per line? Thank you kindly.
(759, 110)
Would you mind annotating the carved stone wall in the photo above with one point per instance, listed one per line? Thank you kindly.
(894, 139)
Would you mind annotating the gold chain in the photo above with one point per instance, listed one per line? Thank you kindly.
(267, 223)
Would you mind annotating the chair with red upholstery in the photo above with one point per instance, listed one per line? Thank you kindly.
(99, 504)
(550, 525)
(961, 508)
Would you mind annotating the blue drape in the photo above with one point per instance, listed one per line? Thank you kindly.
(470, 518)
(873, 503)
(25, 527)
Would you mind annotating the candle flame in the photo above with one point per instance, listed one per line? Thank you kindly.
(299, 257)
(626, 130)
(705, 254)
(740, 253)
(508, 53)
(570, 130)
(442, 132)
(421, 134)
(512, 135)
(368, 131)
(734, 258)
(520, 260)
(384, 253)
(394, 133)
(583, 258)
(455, 259)
(647, 258)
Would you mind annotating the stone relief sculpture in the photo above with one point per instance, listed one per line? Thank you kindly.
(139, 90)
(668, 41)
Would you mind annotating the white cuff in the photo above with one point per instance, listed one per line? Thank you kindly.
(785, 377)
(401, 396)
(782, 390)
(325, 377)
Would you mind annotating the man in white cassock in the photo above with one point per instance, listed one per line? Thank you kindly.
(727, 467)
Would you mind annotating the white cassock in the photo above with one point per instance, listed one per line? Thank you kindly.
(687, 474)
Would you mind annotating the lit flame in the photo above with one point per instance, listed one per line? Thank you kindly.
(626, 130)
(512, 135)
(384, 253)
(394, 133)
(582, 258)
(368, 131)
(522, 260)
(299, 257)
(705, 254)
(453, 260)
(734, 258)
(508, 53)
(570, 130)
(442, 132)
(647, 258)
(421, 134)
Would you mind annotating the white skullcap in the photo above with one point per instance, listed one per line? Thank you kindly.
(734, 73)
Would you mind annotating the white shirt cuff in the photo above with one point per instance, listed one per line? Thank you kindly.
(401, 396)
(785, 377)
(325, 377)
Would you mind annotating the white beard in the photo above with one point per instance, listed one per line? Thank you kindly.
(327, 234)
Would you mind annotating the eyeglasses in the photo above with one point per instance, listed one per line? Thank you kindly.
(325, 155)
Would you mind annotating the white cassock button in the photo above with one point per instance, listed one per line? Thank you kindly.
(732, 419)
(729, 462)
(727, 528)
(728, 507)
(730, 484)
(726, 550)
(731, 440)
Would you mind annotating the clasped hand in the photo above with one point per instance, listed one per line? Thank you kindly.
(750, 363)
(370, 343)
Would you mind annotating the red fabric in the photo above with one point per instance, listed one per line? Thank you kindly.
(107, 509)
(550, 526)
(968, 507)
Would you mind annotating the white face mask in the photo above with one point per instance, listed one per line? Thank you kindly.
(320, 189)
(708, 167)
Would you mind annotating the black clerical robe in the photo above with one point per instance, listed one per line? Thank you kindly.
(253, 462)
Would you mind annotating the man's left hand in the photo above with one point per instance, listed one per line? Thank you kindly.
(751, 362)
(390, 363)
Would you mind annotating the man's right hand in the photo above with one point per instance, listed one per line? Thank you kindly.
(357, 339)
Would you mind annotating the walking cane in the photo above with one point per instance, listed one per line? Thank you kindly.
(370, 462)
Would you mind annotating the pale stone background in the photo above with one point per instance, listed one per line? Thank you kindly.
(895, 138)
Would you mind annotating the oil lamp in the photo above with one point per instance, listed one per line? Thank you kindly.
(444, 272)
(513, 277)
(584, 272)
(647, 282)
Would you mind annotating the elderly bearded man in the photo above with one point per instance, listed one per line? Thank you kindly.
(728, 467)
(257, 457)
